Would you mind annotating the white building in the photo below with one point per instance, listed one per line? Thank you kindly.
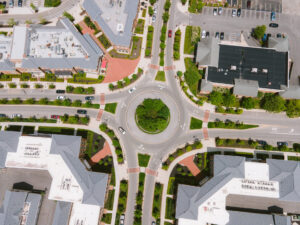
(81, 192)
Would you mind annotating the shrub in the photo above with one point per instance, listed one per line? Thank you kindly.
(38, 86)
(51, 86)
(273, 103)
(12, 85)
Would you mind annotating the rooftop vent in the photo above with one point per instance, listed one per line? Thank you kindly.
(120, 28)
(254, 70)
(270, 83)
(265, 70)
(233, 67)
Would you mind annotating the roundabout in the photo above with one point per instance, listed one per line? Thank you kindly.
(160, 126)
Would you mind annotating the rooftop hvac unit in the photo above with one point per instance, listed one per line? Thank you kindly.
(120, 28)
(254, 70)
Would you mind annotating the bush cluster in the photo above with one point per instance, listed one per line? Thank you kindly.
(80, 90)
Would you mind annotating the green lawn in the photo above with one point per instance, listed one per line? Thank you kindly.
(56, 130)
(170, 209)
(143, 160)
(195, 124)
(294, 158)
(192, 36)
(160, 76)
(157, 200)
(110, 200)
(168, 223)
(230, 125)
(262, 156)
(106, 218)
(192, 75)
(149, 41)
(13, 128)
(104, 41)
(243, 154)
(139, 29)
(171, 186)
(52, 3)
(111, 107)
(28, 130)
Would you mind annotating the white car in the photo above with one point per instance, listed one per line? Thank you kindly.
(153, 19)
(17, 115)
(121, 129)
(131, 90)
(122, 218)
(234, 12)
(203, 34)
(61, 97)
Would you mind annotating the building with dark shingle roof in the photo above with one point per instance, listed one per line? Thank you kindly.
(240, 190)
(230, 65)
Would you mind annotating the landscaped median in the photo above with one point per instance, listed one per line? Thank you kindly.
(176, 46)
(149, 42)
(122, 200)
(111, 107)
(195, 124)
(80, 90)
(160, 76)
(230, 125)
(139, 201)
(46, 101)
(29, 120)
(157, 201)
(126, 81)
(143, 159)
(115, 141)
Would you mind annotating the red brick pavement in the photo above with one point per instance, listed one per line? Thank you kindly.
(133, 170)
(99, 114)
(205, 133)
(102, 99)
(151, 172)
(169, 68)
(189, 163)
(105, 151)
(206, 116)
(152, 66)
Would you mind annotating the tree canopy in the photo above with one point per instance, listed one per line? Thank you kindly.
(152, 115)
(273, 103)
(259, 32)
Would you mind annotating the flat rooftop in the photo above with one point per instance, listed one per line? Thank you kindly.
(5, 45)
(266, 66)
(58, 43)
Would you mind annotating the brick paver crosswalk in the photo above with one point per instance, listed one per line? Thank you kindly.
(152, 66)
(99, 114)
(206, 116)
(205, 133)
(151, 172)
(169, 68)
(102, 99)
(133, 170)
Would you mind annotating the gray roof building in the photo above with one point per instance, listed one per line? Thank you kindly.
(86, 58)
(293, 92)
(15, 206)
(8, 143)
(62, 213)
(189, 198)
(245, 87)
(115, 18)
(226, 63)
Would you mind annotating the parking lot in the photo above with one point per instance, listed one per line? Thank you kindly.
(263, 5)
(245, 14)
(40, 179)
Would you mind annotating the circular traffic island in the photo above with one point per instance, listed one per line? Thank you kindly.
(152, 116)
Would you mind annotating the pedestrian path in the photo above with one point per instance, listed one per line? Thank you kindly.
(151, 172)
(190, 164)
(99, 114)
(105, 151)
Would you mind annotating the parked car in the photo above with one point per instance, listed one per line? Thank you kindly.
(234, 12)
(54, 116)
(153, 19)
(122, 219)
(222, 36)
(61, 97)
(217, 35)
(203, 34)
(278, 35)
(261, 142)
(131, 90)
(58, 91)
(81, 111)
(11, 3)
(274, 25)
(215, 11)
(20, 3)
(239, 11)
(89, 98)
(121, 129)
(153, 223)
(16, 115)
(220, 10)
(2, 115)
(273, 16)
(170, 33)
(207, 34)
(281, 143)
(248, 4)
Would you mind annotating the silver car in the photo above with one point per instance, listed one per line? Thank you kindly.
(121, 129)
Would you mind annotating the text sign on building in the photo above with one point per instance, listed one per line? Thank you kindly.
(257, 185)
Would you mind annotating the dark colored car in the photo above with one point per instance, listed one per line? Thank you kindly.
(281, 143)
(263, 143)
(60, 91)
(20, 3)
(222, 36)
(215, 11)
(81, 111)
(278, 35)
(170, 33)
(207, 34)
(54, 116)
(89, 98)
(274, 25)
(239, 12)
(248, 4)
(217, 35)
(273, 17)
(2, 115)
